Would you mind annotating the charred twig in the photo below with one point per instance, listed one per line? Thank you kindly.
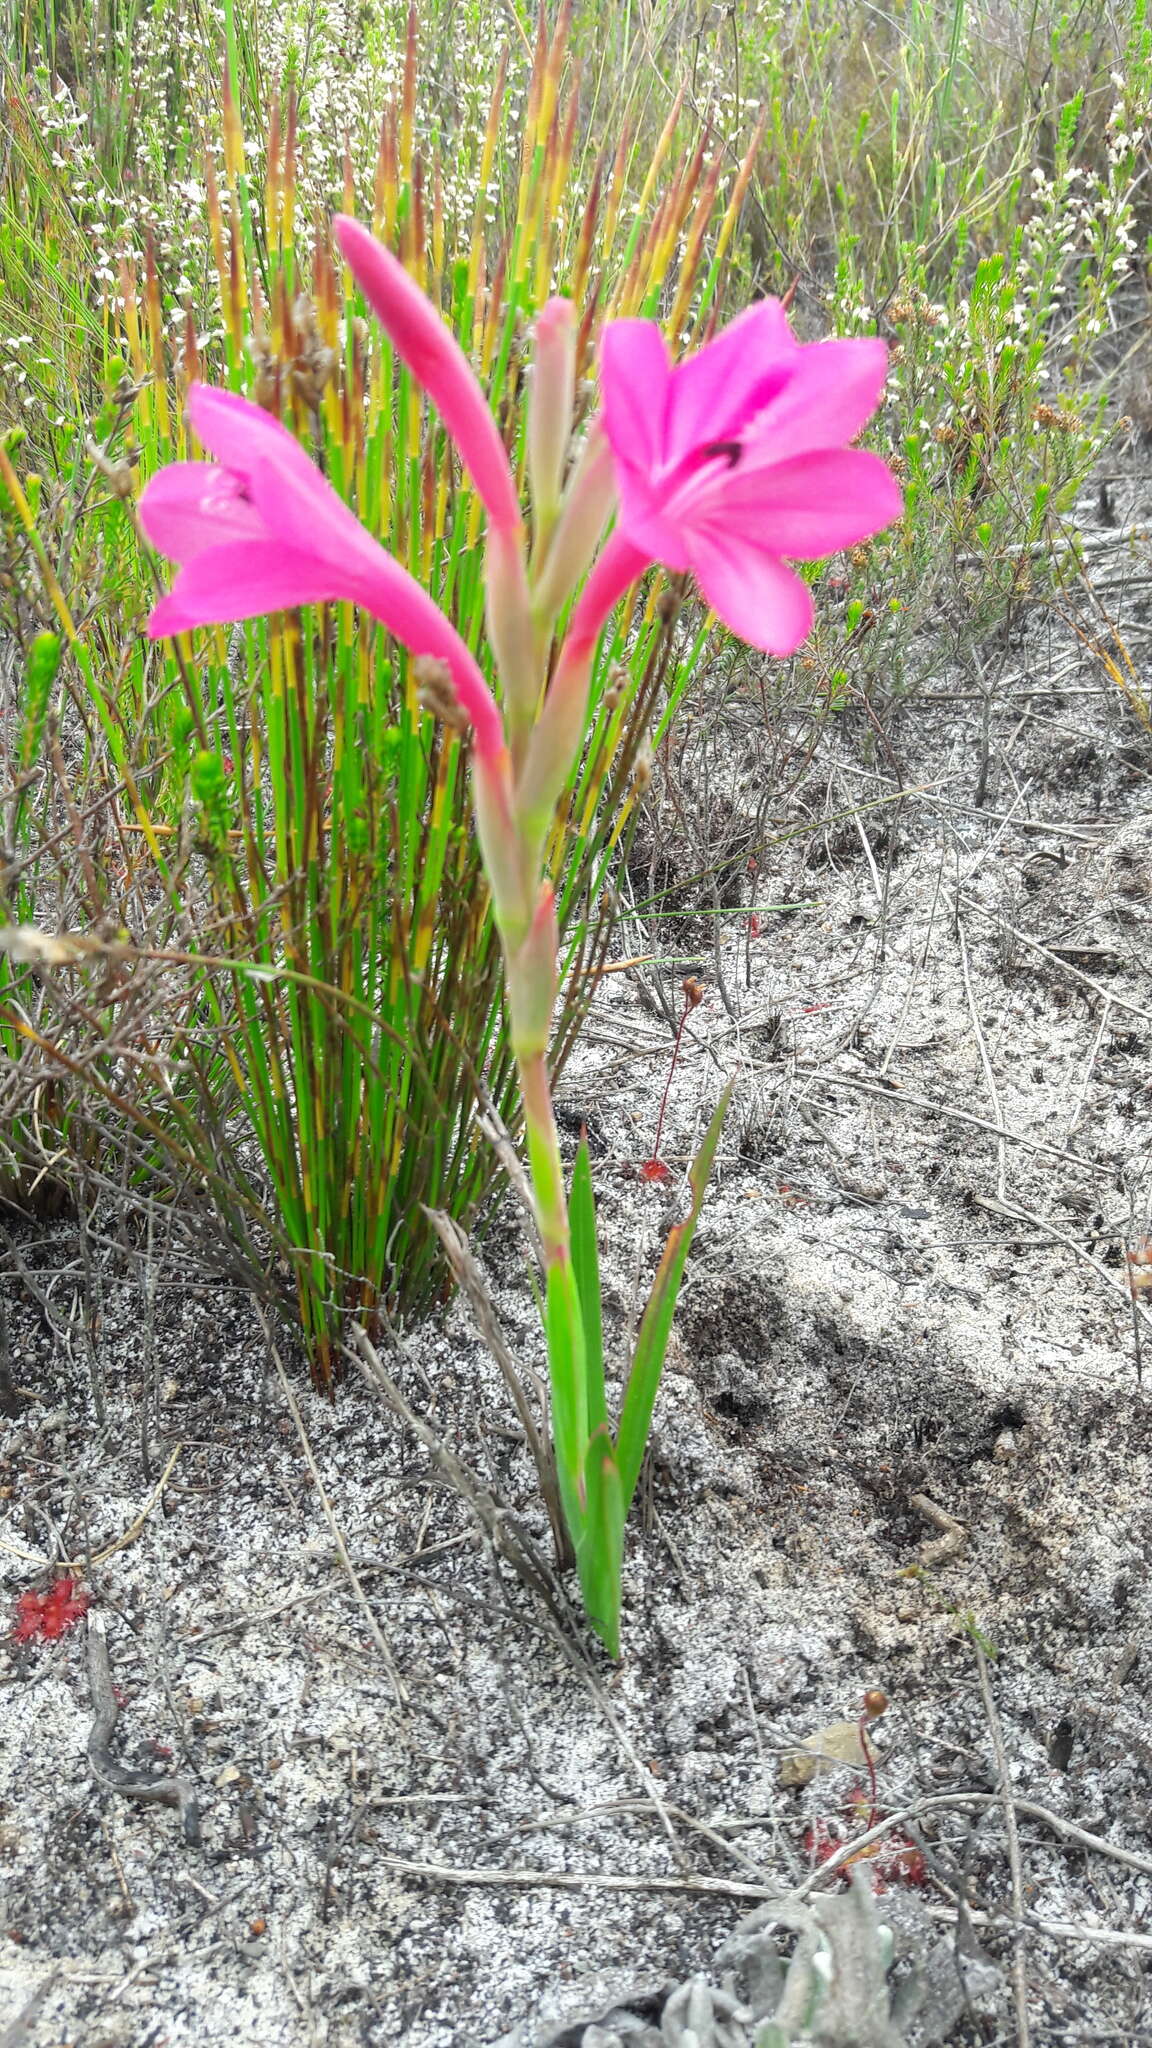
(112, 1776)
(954, 1535)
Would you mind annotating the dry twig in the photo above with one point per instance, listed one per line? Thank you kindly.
(1019, 1973)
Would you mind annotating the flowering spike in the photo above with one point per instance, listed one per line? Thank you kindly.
(272, 181)
(385, 193)
(408, 99)
(663, 145)
(233, 133)
(288, 181)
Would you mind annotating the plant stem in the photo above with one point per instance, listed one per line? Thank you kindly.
(693, 994)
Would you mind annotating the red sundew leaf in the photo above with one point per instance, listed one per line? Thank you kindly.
(894, 1860)
(41, 1617)
(655, 1169)
(899, 1861)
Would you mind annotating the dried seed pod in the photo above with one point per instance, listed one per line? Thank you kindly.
(436, 692)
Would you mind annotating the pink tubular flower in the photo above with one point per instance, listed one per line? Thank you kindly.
(734, 463)
(437, 362)
(261, 530)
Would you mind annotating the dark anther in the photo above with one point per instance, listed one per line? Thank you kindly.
(732, 449)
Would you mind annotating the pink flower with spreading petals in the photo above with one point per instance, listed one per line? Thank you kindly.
(261, 530)
(734, 463)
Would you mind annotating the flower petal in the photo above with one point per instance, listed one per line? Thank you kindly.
(190, 506)
(809, 507)
(716, 392)
(241, 434)
(635, 377)
(437, 361)
(647, 524)
(833, 388)
(292, 498)
(240, 581)
(753, 592)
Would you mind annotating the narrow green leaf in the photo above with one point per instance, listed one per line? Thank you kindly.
(586, 1267)
(565, 1334)
(656, 1323)
(600, 1551)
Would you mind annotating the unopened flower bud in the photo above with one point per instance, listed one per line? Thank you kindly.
(550, 406)
(117, 475)
(616, 686)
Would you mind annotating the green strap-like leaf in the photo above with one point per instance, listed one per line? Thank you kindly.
(656, 1324)
(586, 1267)
(565, 1332)
(600, 1551)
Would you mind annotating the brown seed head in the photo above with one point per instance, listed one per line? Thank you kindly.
(436, 691)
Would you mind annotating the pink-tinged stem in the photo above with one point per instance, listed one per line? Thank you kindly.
(511, 634)
(559, 729)
(693, 994)
(531, 988)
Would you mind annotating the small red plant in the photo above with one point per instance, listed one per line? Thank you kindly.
(40, 1617)
(654, 1168)
(895, 1858)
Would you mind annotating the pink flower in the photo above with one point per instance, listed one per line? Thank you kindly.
(261, 530)
(734, 463)
(437, 362)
